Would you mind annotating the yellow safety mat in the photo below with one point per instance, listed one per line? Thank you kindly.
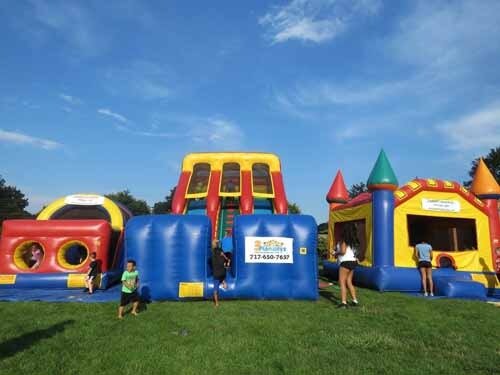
(190, 290)
(76, 280)
(7, 279)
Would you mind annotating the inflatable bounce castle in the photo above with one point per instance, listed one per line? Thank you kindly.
(53, 250)
(462, 226)
(274, 254)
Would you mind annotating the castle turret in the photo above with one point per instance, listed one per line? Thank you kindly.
(486, 188)
(337, 195)
(382, 183)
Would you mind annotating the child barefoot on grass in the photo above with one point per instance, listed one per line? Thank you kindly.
(130, 282)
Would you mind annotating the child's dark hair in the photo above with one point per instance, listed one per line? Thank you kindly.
(350, 235)
(131, 261)
(93, 254)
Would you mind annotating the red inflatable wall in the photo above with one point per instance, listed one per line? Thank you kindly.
(53, 236)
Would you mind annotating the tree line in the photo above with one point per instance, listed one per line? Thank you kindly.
(13, 202)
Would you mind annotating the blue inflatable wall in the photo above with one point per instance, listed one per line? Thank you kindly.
(297, 280)
(173, 252)
(168, 249)
(447, 282)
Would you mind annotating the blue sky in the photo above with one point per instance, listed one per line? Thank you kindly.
(102, 96)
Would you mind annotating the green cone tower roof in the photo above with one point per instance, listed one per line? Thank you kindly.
(382, 175)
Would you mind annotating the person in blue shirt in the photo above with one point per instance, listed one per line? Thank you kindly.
(423, 252)
(227, 247)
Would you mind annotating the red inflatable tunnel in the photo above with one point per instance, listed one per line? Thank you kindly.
(65, 245)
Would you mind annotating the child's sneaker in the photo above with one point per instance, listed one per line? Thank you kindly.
(342, 306)
(354, 303)
(426, 294)
(432, 294)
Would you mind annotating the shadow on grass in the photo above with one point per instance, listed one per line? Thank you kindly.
(23, 342)
(329, 296)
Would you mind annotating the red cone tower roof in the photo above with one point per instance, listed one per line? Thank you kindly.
(338, 192)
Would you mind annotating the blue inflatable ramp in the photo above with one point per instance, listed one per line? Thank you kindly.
(459, 286)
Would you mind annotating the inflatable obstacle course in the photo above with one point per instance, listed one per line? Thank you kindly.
(53, 250)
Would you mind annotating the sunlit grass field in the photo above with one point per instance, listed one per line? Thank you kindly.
(388, 334)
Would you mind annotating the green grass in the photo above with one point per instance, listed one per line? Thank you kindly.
(389, 333)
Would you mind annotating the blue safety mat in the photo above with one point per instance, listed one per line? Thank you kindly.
(61, 295)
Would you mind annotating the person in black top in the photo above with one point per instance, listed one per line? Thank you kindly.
(92, 273)
(218, 269)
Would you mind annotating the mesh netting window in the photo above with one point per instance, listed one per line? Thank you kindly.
(261, 179)
(199, 179)
(443, 233)
(230, 178)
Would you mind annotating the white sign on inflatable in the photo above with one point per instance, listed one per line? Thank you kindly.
(268, 250)
(440, 205)
(84, 200)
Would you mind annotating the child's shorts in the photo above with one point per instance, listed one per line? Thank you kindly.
(217, 282)
(127, 298)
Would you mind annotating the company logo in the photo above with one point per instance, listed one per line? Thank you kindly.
(271, 246)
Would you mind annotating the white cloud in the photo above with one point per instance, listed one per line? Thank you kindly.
(315, 20)
(321, 94)
(70, 99)
(450, 48)
(143, 79)
(447, 34)
(287, 103)
(135, 131)
(73, 23)
(19, 138)
(478, 130)
(152, 90)
(217, 132)
(211, 132)
(316, 100)
(350, 133)
(116, 116)
(78, 28)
